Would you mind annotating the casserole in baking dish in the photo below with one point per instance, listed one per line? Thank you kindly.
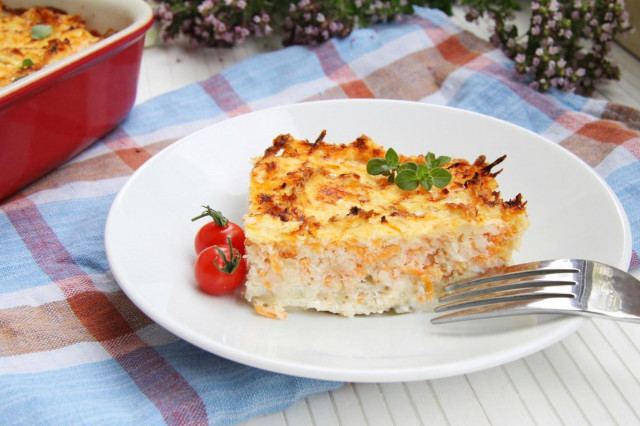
(52, 114)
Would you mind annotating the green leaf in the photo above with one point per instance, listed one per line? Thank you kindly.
(426, 183)
(40, 31)
(392, 158)
(407, 180)
(430, 158)
(408, 166)
(441, 161)
(441, 177)
(434, 162)
(422, 171)
(26, 63)
(377, 166)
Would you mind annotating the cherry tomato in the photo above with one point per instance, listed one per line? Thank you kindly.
(216, 233)
(212, 234)
(224, 278)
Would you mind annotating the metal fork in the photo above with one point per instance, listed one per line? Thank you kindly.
(561, 286)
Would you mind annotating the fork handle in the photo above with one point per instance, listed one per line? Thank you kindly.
(613, 294)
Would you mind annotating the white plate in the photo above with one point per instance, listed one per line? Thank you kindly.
(149, 239)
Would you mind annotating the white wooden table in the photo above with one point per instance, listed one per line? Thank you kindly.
(591, 377)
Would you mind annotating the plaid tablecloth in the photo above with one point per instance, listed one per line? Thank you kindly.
(74, 349)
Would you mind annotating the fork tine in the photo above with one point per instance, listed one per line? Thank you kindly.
(520, 271)
(516, 307)
(509, 295)
(509, 281)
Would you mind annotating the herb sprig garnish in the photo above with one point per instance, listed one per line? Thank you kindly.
(409, 176)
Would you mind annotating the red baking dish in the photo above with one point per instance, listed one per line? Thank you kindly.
(56, 112)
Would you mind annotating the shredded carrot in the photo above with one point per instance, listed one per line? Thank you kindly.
(395, 228)
(386, 253)
(268, 312)
(275, 264)
(428, 284)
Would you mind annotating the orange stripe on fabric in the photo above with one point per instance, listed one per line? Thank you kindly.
(133, 157)
(357, 89)
(126, 148)
(453, 51)
(607, 131)
(340, 72)
(28, 329)
(99, 315)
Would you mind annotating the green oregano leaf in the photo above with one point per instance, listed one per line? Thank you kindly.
(407, 180)
(408, 166)
(26, 63)
(392, 158)
(441, 177)
(40, 31)
(441, 161)
(377, 166)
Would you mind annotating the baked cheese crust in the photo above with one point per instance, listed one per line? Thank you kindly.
(20, 54)
(323, 234)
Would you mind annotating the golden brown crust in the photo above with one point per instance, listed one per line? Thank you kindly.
(303, 180)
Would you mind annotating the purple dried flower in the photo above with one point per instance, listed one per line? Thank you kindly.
(205, 5)
(563, 35)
